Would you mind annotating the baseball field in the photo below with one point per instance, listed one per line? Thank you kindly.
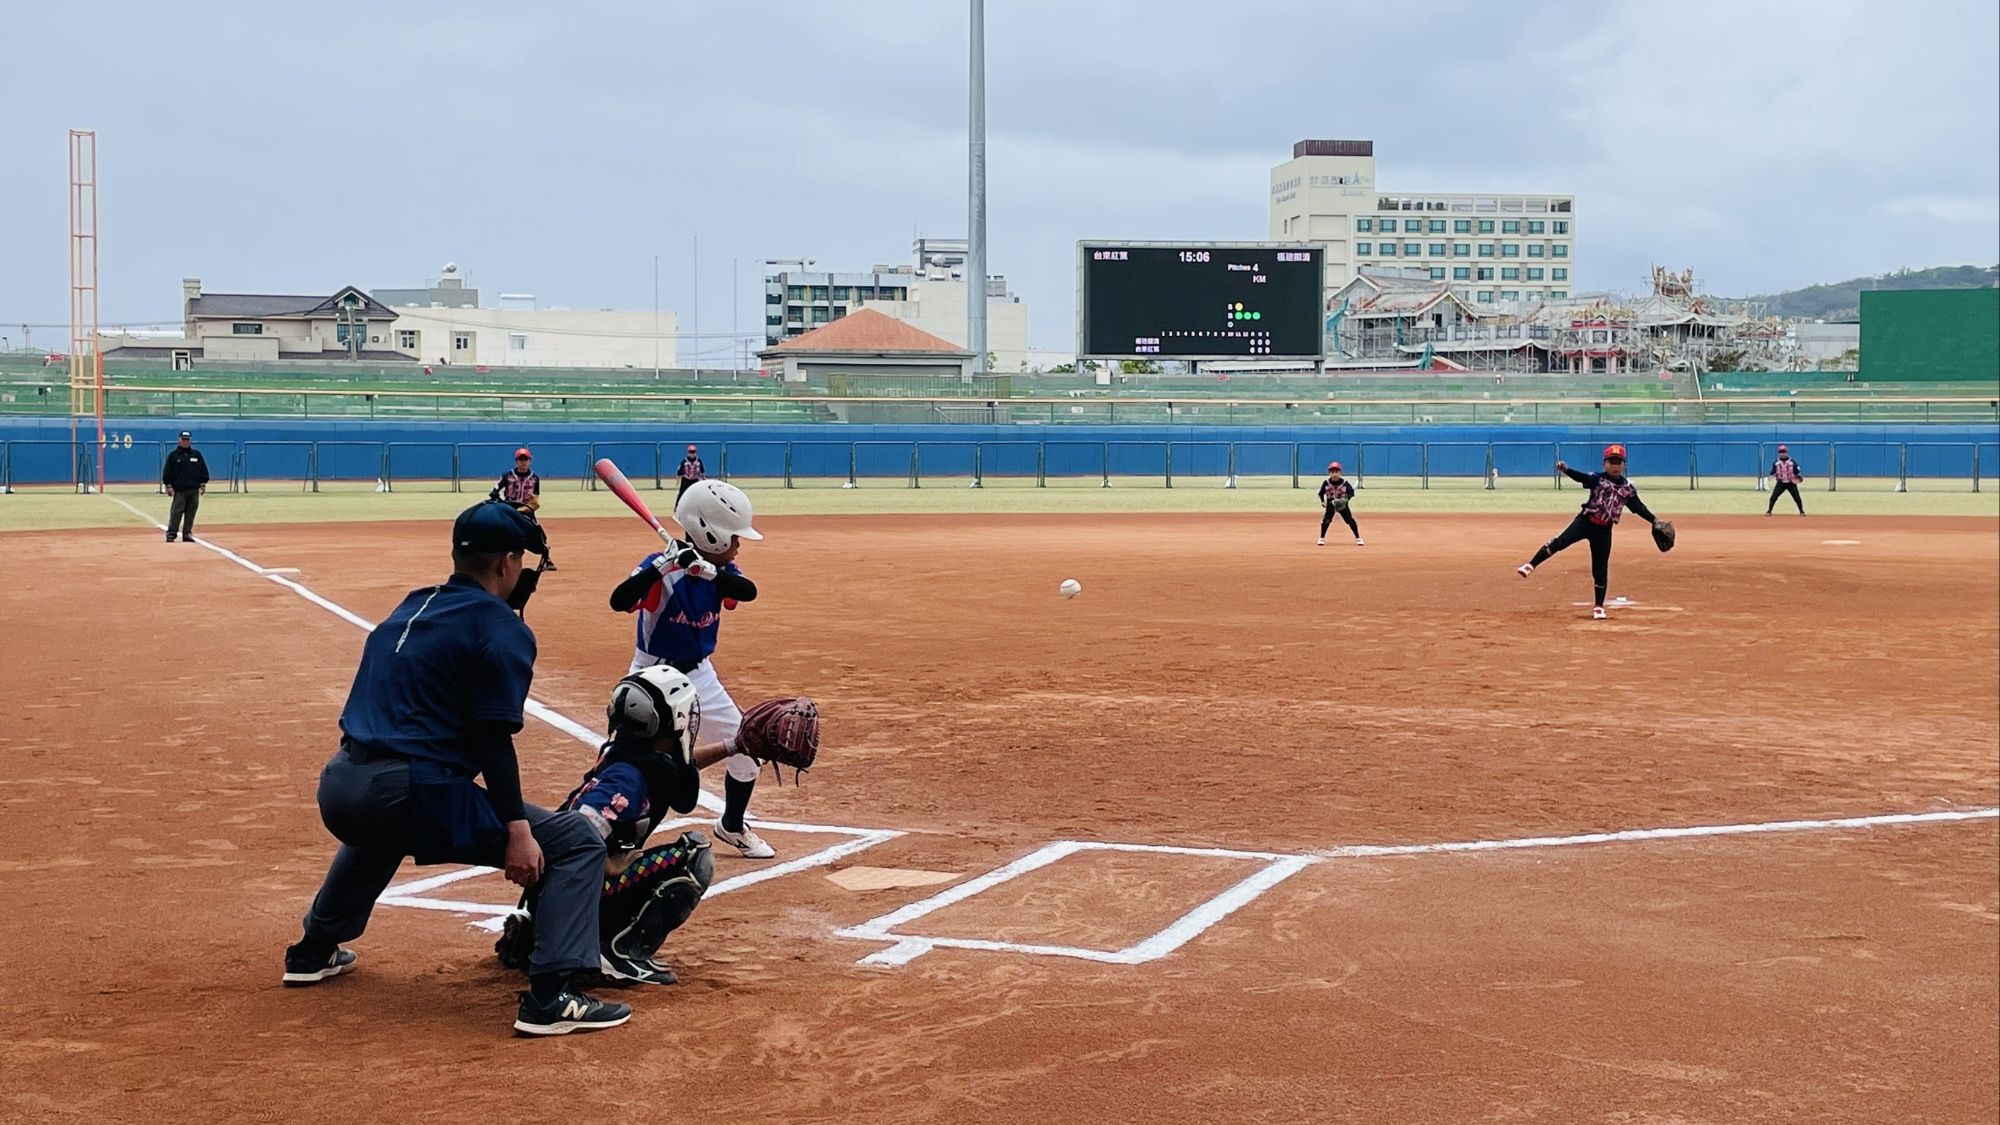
(1252, 830)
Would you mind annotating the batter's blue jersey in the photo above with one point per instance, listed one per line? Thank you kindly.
(679, 618)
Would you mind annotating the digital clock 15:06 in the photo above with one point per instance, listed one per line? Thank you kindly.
(1194, 255)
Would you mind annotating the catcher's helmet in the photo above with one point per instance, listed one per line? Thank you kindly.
(713, 512)
(653, 700)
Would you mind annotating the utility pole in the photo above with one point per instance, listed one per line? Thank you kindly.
(975, 235)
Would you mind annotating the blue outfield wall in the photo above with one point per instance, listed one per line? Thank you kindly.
(37, 449)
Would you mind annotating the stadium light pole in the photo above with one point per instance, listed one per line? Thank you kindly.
(975, 234)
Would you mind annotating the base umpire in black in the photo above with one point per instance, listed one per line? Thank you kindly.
(437, 699)
(186, 476)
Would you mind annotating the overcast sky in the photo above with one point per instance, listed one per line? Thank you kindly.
(555, 148)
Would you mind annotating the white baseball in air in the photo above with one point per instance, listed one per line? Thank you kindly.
(1070, 588)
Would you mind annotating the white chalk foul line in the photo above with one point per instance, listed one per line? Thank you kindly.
(1632, 835)
(409, 894)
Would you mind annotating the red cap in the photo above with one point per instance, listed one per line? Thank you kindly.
(690, 449)
(1614, 451)
(1782, 449)
(523, 452)
(1333, 467)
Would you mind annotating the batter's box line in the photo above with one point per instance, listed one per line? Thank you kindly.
(492, 916)
(906, 947)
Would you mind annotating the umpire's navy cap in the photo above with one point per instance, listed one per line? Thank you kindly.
(491, 528)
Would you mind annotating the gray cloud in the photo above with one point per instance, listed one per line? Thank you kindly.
(1767, 144)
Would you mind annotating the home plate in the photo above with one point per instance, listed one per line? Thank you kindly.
(1840, 542)
(886, 878)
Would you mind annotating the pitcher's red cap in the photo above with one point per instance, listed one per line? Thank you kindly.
(1333, 466)
(1614, 451)
(523, 452)
(1782, 449)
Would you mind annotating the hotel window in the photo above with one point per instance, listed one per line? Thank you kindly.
(1561, 251)
(1437, 226)
(1461, 249)
(1388, 249)
(1486, 226)
(1461, 226)
(1534, 273)
(1510, 294)
(1511, 273)
(1364, 248)
(1536, 226)
(1412, 249)
(1510, 249)
(1486, 249)
(1461, 273)
(1412, 226)
(1486, 273)
(1364, 226)
(1559, 274)
(1437, 249)
(1558, 294)
(1437, 273)
(1510, 226)
(1485, 297)
(1535, 249)
(1561, 226)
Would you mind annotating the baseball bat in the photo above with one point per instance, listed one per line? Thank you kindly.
(608, 472)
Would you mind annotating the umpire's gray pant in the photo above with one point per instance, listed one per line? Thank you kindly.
(366, 805)
(180, 515)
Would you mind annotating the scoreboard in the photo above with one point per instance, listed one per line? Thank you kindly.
(1200, 300)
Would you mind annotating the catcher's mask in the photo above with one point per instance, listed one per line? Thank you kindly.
(655, 701)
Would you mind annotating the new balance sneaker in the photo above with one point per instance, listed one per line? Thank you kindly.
(1597, 613)
(1322, 541)
(1359, 542)
(302, 971)
(634, 970)
(747, 843)
(569, 1011)
(1525, 569)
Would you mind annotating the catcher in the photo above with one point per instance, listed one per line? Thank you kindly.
(1336, 492)
(652, 764)
(1609, 495)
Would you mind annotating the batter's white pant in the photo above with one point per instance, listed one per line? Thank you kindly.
(720, 717)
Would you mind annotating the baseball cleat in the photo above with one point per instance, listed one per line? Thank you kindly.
(300, 972)
(570, 1011)
(635, 970)
(1359, 542)
(1525, 569)
(747, 843)
(1322, 541)
(1597, 613)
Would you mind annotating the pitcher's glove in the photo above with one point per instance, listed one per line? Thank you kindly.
(1663, 535)
(782, 732)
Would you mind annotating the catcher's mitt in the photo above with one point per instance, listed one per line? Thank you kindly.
(1663, 535)
(783, 732)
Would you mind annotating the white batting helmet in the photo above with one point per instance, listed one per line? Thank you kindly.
(652, 700)
(713, 512)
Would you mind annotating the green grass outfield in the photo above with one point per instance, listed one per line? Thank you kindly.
(44, 510)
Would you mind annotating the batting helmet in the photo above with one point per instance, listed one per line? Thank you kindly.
(713, 513)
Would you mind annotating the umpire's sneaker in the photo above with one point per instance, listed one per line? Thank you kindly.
(634, 970)
(569, 1011)
(747, 843)
(302, 971)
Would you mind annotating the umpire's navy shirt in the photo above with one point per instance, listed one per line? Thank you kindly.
(450, 656)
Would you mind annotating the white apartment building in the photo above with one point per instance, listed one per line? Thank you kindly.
(928, 294)
(1492, 248)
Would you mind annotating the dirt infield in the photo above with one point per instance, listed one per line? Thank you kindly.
(1221, 684)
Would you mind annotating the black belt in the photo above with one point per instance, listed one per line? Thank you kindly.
(362, 752)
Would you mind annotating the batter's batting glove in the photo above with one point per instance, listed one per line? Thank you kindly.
(686, 559)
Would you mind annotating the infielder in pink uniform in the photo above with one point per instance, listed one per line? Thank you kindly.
(1787, 474)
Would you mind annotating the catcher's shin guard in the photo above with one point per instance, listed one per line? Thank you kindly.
(654, 896)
